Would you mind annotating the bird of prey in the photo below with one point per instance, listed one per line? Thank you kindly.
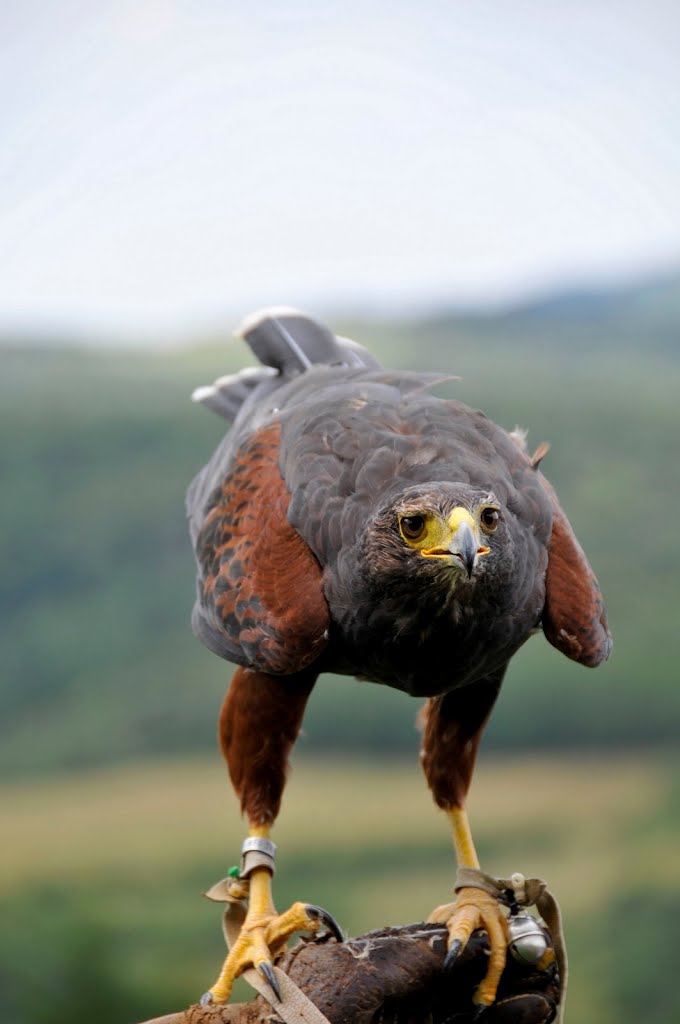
(353, 522)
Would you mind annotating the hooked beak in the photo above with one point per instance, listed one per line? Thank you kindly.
(464, 547)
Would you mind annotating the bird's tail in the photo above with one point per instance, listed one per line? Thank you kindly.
(286, 342)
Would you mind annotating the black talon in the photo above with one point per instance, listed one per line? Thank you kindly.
(452, 955)
(267, 972)
(322, 915)
(481, 1008)
(206, 999)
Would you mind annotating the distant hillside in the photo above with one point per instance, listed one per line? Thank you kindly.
(99, 662)
(644, 314)
(652, 302)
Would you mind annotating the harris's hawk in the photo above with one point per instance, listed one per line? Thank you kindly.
(352, 522)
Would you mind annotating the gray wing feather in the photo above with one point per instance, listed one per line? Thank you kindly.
(227, 394)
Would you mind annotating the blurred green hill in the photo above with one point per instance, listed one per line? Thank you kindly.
(99, 445)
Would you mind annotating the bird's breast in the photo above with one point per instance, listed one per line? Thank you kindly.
(424, 658)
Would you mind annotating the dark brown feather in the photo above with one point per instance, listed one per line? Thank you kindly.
(574, 619)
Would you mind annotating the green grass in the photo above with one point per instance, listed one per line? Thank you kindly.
(100, 876)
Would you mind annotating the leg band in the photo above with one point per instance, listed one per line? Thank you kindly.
(257, 852)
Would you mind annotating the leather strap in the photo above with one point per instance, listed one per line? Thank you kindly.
(295, 1007)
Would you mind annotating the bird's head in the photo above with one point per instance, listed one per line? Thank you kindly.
(440, 531)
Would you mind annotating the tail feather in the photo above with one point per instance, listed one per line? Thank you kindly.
(289, 340)
(227, 394)
(355, 354)
(287, 343)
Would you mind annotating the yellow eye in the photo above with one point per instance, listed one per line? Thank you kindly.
(412, 527)
(489, 519)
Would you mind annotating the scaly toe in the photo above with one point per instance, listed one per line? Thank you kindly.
(475, 908)
(249, 950)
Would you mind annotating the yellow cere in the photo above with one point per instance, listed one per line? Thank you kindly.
(461, 515)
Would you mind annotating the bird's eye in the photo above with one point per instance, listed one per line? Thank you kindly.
(489, 519)
(412, 527)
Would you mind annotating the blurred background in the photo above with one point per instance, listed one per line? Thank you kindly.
(486, 189)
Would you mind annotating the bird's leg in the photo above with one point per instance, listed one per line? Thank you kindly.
(473, 908)
(466, 855)
(452, 729)
(259, 722)
(264, 933)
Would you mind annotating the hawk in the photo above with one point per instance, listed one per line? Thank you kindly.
(353, 522)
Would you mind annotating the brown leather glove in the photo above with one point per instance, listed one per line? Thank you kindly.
(396, 976)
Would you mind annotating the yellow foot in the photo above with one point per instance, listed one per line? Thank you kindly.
(261, 939)
(475, 908)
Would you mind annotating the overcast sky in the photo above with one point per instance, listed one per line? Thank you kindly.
(168, 165)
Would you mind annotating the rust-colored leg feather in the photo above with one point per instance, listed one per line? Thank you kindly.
(452, 728)
(258, 725)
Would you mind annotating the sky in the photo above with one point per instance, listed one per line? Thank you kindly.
(170, 166)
